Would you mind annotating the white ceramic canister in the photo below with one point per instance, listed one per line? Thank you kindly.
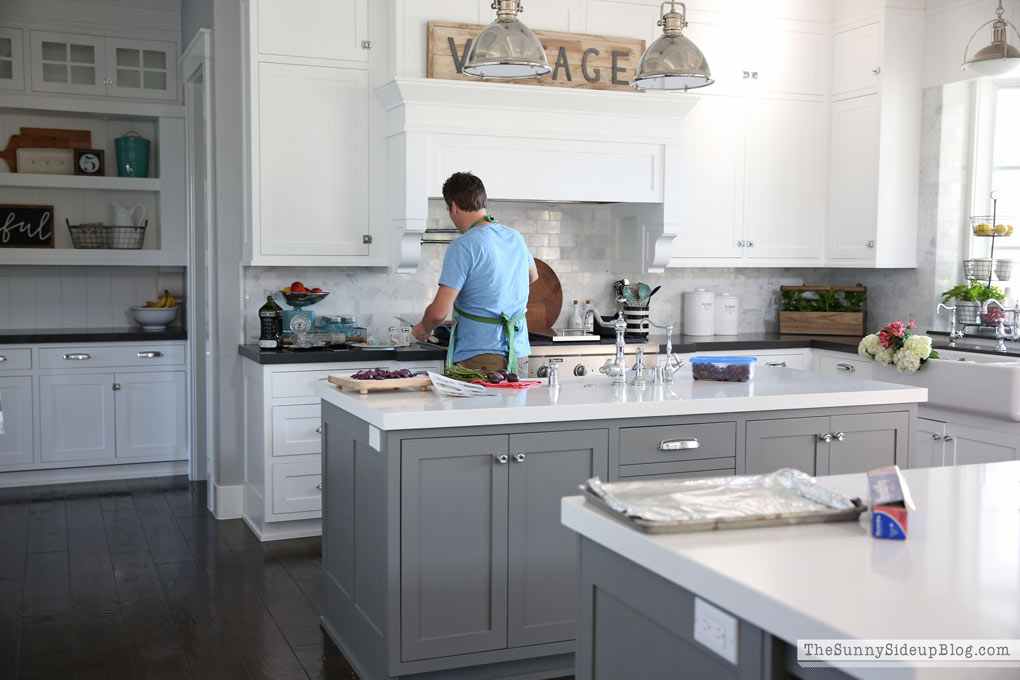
(699, 312)
(727, 314)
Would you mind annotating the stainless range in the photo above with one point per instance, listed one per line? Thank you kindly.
(583, 358)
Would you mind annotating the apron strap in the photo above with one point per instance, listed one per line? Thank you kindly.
(509, 325)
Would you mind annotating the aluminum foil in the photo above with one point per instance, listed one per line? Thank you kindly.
(784, 492)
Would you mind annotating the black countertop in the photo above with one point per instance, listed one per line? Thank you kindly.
(44, 335)
(682, 344)
(983, 344)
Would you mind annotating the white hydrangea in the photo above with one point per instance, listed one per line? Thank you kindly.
(886, 356)
(907, 361)
(919, 345)
(869, 346)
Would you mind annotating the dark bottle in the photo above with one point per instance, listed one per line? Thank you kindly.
(271, 322)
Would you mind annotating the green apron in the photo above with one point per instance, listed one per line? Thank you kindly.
(508, 323)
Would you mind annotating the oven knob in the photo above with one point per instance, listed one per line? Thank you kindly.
(543, 371)
(580, 370)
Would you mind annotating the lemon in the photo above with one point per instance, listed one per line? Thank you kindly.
(1000, 229)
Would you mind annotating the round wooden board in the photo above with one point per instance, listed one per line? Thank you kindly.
(546, 298)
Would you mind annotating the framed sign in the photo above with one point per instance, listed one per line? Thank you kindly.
(593, 62)
(89, 162)
(26, 226)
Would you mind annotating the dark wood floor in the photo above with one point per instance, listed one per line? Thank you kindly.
(135, 579)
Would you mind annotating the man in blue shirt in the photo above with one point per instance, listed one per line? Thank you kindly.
(486, 278)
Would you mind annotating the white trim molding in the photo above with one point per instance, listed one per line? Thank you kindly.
(532, 143)
(226, 502)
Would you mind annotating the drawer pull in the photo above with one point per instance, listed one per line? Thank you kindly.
(846, 367)
(116, 387)
(149, 355)
(781, 364)
(678, 444)
(318, 430)
(76, 357)
(319, 486)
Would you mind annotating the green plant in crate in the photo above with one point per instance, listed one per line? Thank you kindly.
(824, 301)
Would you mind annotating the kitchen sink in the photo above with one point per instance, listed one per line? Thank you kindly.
(983, 384)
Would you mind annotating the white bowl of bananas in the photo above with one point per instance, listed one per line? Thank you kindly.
(156, 315)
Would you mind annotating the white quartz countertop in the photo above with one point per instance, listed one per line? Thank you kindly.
(956, 576)
(594, 398)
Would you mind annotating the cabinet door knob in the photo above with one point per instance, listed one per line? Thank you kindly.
(754, 75)
(747, 74)
(679, 444)
(845, 367)
(3, 358)
(318, 430)
(936, 438)
(740, 244)
(869, 244)
(319, 486)
(948, 438)
(827, 437)
(750, 244)
(876, 70)
(519, 457)
(840, 436)
(116, 387)
(502, 459)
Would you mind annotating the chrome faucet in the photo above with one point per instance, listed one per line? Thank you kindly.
(616, 368)
(954, 334)
(639, 368)
(1000, 326)
(673, 362)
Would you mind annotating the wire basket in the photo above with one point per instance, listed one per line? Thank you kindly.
(87, 235)
(1004, 270)
(978, 268)
(126, 238)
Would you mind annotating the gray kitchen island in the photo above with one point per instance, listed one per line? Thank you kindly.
(443, 552)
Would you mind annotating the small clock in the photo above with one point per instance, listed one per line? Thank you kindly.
(88, 162)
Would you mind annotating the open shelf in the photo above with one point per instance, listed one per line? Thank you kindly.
(93, 257)
(34, 181)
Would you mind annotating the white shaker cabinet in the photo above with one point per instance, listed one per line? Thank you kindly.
(931, 445)
(12, 59)
(150, 414)
(316, 29)
(874, 158)
(966, 445)
(310, 167)
(17, 443)
(141, 69)
(76, 414)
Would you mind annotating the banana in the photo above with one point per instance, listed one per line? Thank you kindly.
(165, 301)
(170, 302)
(150, 303)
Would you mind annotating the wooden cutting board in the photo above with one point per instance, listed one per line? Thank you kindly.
(546, 298)
(421, 382)
(44, 138)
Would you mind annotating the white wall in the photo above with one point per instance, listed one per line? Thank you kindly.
(143, 18)
(948, 26)
(195, 14)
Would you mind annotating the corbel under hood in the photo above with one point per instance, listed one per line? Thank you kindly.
(533, 143)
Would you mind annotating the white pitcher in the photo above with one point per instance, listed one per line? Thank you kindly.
(125, 217)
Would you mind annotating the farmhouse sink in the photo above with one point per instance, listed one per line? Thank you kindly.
(982, 384)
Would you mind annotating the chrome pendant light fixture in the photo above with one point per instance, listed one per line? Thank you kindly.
(672, 62)
(998, 58)
(506, 48)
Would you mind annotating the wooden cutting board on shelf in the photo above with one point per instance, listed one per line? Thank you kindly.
(44, 138)
(421, 382)
(546, 298)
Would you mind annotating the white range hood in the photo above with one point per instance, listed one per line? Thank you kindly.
(534, 143)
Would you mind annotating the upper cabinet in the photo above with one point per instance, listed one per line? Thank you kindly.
(316, 165)
(12, 59)
(68, 63)
(875, 138)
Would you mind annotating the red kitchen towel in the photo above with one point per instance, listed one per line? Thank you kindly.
(519, 385)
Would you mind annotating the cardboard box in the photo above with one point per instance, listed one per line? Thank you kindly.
(890, 503)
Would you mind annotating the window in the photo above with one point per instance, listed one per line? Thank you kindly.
(997, 164)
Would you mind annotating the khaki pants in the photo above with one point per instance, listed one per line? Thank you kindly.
(492, 362)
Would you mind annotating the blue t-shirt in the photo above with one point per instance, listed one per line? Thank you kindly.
(489, 265)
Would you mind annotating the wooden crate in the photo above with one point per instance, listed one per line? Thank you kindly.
(420, 382)
(823, 323)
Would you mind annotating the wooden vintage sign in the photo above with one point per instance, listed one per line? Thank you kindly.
(593, 62)
(26, 226)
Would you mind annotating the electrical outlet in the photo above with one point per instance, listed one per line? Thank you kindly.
(715, 629)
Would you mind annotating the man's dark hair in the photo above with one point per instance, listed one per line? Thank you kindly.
(466, 190)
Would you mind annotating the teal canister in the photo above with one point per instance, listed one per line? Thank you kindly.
(132, 155)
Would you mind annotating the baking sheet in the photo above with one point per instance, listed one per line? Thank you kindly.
(786, 496)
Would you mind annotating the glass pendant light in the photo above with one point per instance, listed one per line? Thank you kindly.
(506, 48)
(672, 62)
(998, 58)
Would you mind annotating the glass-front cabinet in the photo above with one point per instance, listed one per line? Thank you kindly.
(12, 64)
(94, 65)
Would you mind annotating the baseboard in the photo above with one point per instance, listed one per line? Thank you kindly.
(93, 473)
(226, 502)
(279, 531)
